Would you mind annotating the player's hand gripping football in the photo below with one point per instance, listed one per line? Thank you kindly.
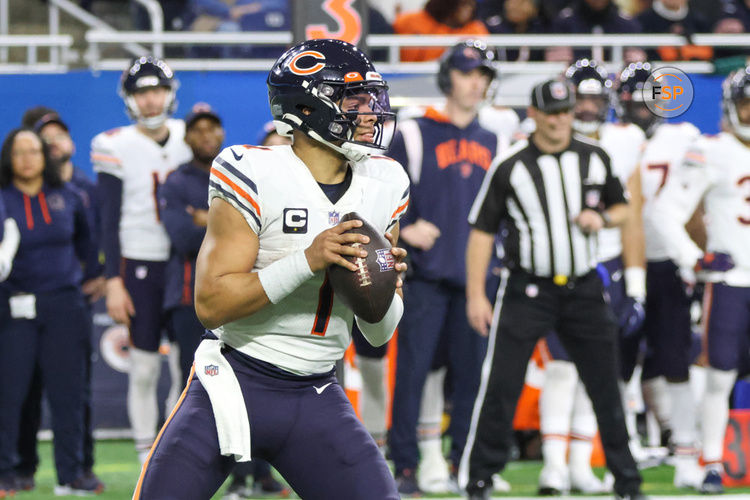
(331, 245)
(399, 254)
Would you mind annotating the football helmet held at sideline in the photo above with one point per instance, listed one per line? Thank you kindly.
(590, 80)
(307, 85)
(143, 73)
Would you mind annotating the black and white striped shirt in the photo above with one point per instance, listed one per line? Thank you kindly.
(537, 196)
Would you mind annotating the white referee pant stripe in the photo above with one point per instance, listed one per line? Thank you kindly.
(463, 469)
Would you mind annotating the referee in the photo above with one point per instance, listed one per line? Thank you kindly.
(552, 193)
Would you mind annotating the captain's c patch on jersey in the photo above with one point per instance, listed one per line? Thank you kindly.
(295, 220)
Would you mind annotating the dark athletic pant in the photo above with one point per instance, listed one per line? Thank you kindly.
(434, 320)
(304, 426)
(57, 341)
(529, 307)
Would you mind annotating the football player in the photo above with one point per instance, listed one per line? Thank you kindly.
(667, 327)
(264, 384)
(131, 163)
(716, 170)
(447, 153)
(565, 410)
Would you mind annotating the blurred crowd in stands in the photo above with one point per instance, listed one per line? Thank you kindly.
(471, 18)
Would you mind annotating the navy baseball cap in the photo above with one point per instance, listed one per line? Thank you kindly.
(553, 96)
(198, 111)
(48, 118)
(470, 54)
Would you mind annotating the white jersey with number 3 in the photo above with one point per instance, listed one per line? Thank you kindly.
(623, 143)
(142, 165)
(309, 330)
(662, 156)
(716, 170)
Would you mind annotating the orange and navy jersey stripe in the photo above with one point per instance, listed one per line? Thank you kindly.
(400, 209)
(236, 187)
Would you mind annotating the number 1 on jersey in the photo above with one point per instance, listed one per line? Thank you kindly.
(323, 313)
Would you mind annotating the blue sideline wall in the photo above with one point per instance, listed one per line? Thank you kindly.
(89, 102)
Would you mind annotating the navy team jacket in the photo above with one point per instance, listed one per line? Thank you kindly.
(446, 173)
(186, 186)
(55, 239)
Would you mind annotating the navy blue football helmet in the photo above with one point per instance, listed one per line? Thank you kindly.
(465, 56)
(147, 72)
(306, 87)
(736, 88)
(590, 81)
(630, 104)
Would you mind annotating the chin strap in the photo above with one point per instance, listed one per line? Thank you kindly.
(353, 152)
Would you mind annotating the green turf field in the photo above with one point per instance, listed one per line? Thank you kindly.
(117, 466)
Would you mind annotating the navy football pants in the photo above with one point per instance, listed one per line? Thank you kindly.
(434, 315)
(311, 436)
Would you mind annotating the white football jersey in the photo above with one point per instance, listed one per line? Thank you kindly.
(309, 330)
(662, 156)
(623, 142)
(716, 170)
(142, 165)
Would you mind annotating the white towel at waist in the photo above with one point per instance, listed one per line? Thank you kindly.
(230, 412)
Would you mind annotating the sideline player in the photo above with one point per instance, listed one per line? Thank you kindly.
(131, 162)
(667, 327)
(265, 384)
(446, 153)
(565, 408)
(716, 170)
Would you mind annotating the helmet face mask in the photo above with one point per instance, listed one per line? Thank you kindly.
(630, 104)
(593, 95)
(735, 102)
(145, 73)
(310, 83)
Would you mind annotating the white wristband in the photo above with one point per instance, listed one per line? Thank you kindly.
(635, 282)
(282, 277)
(381, 332)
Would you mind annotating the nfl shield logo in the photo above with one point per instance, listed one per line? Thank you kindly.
(333, 218)
(385, 259)
(211, 370)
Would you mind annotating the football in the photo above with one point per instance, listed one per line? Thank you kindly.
(369, 290)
